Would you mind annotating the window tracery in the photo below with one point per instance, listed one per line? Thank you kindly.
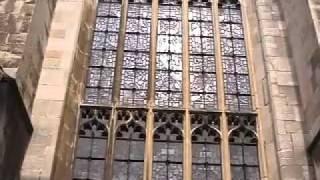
(129, 145)
(138, 124)
(92, 143)
(206, 154)
(243, 147)
(168, 146)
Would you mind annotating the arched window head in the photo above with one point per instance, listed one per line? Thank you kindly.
(168, 146)
(92, 143)
(243, 142)
(129, 145)
(206, 146)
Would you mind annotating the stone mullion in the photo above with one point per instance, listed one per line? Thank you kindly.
(153, 54)
(149, 146)
(116, 88)
(226, 166)
(151, 93)
(111, 143)
(187, 146)
(120, 53)
(253, 88)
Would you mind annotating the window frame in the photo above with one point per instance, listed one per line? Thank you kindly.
(186, 108)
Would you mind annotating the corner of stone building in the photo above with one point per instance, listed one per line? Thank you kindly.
(56, 105)
(281, 102)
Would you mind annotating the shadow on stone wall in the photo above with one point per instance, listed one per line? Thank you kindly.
(15, 129)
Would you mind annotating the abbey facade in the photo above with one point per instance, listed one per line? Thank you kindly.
(159, 89)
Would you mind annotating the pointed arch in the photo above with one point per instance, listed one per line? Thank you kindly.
(206, 146)
(129, 144)
(243, 142)
(168, 145)
(92, 143)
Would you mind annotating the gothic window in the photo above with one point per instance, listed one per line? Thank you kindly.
(168, 94)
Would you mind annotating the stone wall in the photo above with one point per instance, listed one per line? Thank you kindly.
(64, 154)
(279, 101)
(303, 36)
(30, 67)
(56, 105)
(15, 18)
(24, 30)
(305, 54)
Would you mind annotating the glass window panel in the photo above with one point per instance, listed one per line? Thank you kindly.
(169, 56)
(202, 64)
(102, 61)
(135, 171)
(120, 170)
(238, 173)
(134, 81)
(175, 172)
(235, 65)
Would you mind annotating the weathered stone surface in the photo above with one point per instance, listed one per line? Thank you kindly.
(59, 92)
(15, 19)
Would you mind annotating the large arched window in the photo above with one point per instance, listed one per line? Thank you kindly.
(169, 94)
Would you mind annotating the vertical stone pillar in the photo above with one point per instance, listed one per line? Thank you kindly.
(51, 103)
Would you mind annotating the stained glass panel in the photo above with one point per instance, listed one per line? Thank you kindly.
(92, 143)
(134, 81)
(168, 146)
(243, 147)
(103, 53)
(202, 62)
(235, 67)
(169, 55)
(206, 154)
(129, 145)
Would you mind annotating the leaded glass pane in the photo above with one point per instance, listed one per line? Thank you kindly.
(235, 67)
(134, 83)
(206, 154)
(92, 143)
(243, 147)
(129, 144)
(202, 62)
(103, 53)
(169, 56)
(168, 146)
